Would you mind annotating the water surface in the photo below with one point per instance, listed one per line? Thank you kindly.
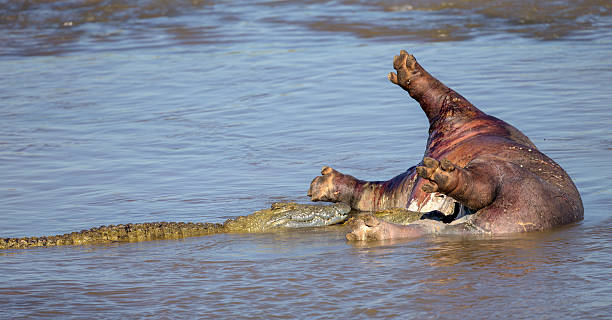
(136, 111)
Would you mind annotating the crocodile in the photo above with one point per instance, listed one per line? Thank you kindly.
(280, 216)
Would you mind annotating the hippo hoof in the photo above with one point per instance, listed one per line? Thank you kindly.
(441, 175)
(328, 186)
(322, 187)
(406, 66)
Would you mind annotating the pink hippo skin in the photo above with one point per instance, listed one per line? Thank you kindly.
(473, 163)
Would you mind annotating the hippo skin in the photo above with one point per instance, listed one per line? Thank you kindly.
(479, 170)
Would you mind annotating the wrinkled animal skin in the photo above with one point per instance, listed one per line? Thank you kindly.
(480, 169)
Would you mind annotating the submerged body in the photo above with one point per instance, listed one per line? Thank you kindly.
(280, 216)
(476, 167)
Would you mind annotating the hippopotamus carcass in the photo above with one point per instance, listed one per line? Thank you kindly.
(477, 169)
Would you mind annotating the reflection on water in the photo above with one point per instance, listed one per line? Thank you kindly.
(133, 111)
(314, 275)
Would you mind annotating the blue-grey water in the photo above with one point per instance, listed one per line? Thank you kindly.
(132, 111)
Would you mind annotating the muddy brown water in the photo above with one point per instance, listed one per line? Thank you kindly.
(117, 112)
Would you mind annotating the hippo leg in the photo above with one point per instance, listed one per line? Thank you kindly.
(475, 186)
(335, 186)
(434, 97)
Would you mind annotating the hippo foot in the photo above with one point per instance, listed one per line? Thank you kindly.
(328, 186)
(406, 66)
(442, 175)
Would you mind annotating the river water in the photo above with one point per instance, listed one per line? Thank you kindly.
(168, 110)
